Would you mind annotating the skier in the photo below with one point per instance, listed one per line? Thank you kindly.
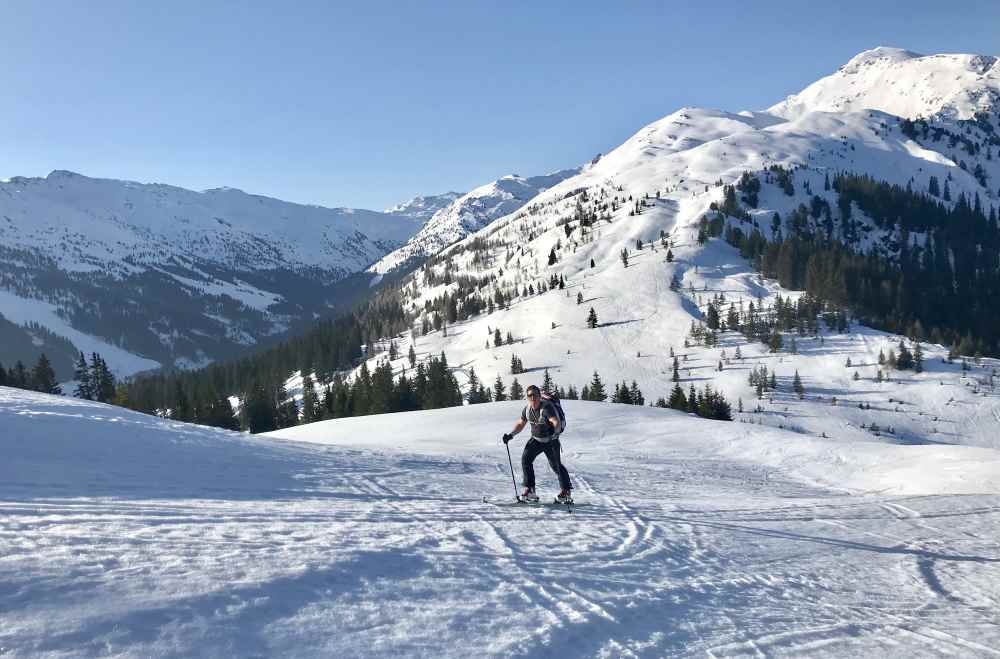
(542, 416)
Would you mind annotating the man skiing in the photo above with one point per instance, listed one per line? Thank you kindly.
(544, 420)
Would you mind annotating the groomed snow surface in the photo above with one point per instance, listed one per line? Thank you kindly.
(126, 535)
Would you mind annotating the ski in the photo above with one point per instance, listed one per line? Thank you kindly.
(568, 505)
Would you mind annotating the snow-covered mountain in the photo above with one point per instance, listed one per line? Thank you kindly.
(657, 191)
(423, 207)
(128, 535)
(905, 84)
(469, 213)
(151, 273)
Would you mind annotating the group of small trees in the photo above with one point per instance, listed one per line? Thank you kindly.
(94, 380)
(905, 360)
(707, 403)
(432, 386)
(626, 395)
(40, 378)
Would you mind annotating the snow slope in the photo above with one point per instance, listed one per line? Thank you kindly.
(903, 83)
(469, 213)
(127, 535)
(678, 166)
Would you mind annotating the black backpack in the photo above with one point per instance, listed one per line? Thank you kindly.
(556, 403)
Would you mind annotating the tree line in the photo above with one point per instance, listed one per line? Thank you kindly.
(936, 279)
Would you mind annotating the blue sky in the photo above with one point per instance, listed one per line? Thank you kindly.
(366, 104)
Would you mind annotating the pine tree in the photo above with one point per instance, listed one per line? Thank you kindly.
(592, 318)
(712, 317)
(383, 394)
(516, 391)
(579, 298)
(591, 263)
(774, 341)
(182, 409)
(499, 390)
(670, 256)
(18, 376)
(904, 361)
(797, 387)
(547, 385)
(636, 394)
(102, 382)
(677, 374)
(412, 356)
(82, 376)
(597, 392)
(918, 358)
(624, 256)
(258, 410)
(677, 401)
(43, 377)
(287, 414)
(310, 401)
(218, 412)
(473, 396)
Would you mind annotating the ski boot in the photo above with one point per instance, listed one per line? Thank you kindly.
(529, 496)
(564, 496)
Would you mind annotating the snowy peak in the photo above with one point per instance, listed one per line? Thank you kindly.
(879, 54)
(423, 207)
(470, 213)
(903, 83)
(683, 130)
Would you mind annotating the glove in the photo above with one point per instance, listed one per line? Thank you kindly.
(507, 437)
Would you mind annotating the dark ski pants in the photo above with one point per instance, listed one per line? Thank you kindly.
(552, 451)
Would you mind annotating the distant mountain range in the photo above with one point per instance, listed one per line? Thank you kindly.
(154, 275)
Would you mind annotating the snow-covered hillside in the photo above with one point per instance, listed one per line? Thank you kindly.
(423, 207)
(469, 213)
(127, 535)
(177, 276)
(905, 84)
(656, 190)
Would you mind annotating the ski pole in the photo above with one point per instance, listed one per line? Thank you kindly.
(512, 479)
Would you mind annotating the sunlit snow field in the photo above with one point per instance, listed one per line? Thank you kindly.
(125, 535)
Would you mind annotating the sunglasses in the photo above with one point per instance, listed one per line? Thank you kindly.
(532, 395)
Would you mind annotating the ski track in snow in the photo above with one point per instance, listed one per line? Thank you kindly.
(378, 544)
